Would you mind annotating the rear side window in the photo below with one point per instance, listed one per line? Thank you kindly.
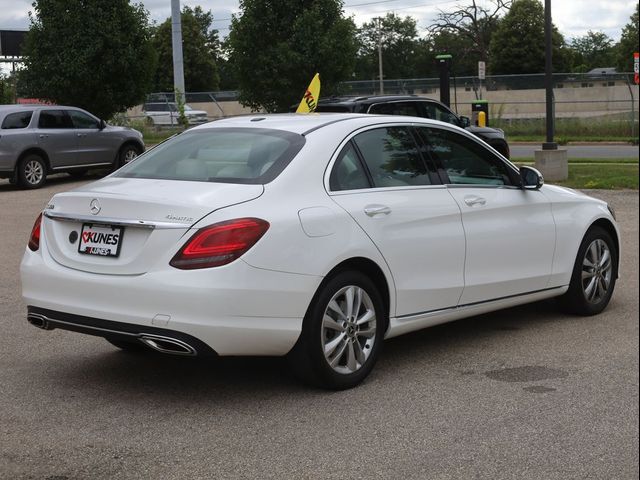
(17, 120)
(333, 108)
(464, 160)
(230, 155)
(347, 173)
(392, 157)
(54, 119)
(396, 108)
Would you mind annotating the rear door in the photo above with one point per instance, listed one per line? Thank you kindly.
(95, 146)
(381, 180)
(57, 137)
(510, 232)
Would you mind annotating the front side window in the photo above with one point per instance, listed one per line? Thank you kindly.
(438, 112)
(17, 120)
(347, 173)
(82, 120)
(54, 119)
(230, 155)
(392, 157)
(464, 160)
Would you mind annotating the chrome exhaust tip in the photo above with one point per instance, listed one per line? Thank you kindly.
(172, 346)
(39, 321)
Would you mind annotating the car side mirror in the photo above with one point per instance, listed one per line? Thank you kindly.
(465, 122)
(530, 178)
(102, 125)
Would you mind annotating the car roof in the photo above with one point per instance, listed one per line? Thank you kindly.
(304, 123)
(34, 106)
(370, 99)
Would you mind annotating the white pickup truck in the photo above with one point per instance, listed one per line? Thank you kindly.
(166, 114)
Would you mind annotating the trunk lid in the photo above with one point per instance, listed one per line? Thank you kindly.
(153, 214)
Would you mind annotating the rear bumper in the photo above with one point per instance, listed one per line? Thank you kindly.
(234, 310)
(182, 344)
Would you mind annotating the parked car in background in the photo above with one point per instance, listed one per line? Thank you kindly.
(415, 106)
(312, 236)
(37, 140)
(167, 114)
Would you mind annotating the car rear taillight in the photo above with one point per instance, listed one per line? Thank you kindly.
(219, 244)
(34, 239)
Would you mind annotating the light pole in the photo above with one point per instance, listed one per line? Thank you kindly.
(380, 54)
(176, 40)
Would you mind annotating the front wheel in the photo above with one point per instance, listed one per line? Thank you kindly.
(594, 274)
(32, 171)
(127, 154)
(342, 333)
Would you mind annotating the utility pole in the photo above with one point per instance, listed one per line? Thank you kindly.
(380, 55)
(176, 39)
(548, 77)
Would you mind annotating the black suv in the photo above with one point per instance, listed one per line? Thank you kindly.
(414, 106)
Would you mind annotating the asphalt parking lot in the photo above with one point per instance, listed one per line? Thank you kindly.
(522, 393)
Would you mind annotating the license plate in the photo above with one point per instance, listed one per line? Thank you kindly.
(102, 240)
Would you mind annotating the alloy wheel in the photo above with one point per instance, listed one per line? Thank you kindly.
(597, 270)
(348, 329)
(33, 172)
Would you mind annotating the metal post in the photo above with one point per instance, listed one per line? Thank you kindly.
(548, 77)
(380, 55)
(176, 39)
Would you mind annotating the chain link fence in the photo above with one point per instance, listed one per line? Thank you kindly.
(598, 103)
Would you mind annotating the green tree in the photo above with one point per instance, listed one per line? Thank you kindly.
(277, 46)
(593, 50)
(7, 89)
(465, 58)
(200, 49)
(628, 44)
(518, 46)
(94, 54)
(399, 39)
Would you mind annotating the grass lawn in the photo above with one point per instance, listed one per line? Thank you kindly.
(529, 160)
(609, 177)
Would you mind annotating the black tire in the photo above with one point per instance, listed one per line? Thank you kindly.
(127, 153)
(32, 171)
(307, 358)
(576, 300)
(131, 346)
(78, 172)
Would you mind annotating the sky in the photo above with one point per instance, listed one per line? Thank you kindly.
(573, 17)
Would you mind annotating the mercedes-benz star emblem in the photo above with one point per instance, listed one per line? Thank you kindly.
(95, 207)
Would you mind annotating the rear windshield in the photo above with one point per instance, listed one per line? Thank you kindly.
(229, 155)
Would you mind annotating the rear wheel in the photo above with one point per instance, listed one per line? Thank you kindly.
(32, 171)
(342, 333)
(594, 274)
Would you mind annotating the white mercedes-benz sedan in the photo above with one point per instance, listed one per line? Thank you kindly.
(311, 236)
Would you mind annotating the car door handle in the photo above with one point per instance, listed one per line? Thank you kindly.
(472, 200)
(81, 134)
(373, 210)
(42, 135)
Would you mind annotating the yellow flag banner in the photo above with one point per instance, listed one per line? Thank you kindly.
(311, 96)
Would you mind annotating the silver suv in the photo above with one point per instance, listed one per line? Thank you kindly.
(36, 140)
